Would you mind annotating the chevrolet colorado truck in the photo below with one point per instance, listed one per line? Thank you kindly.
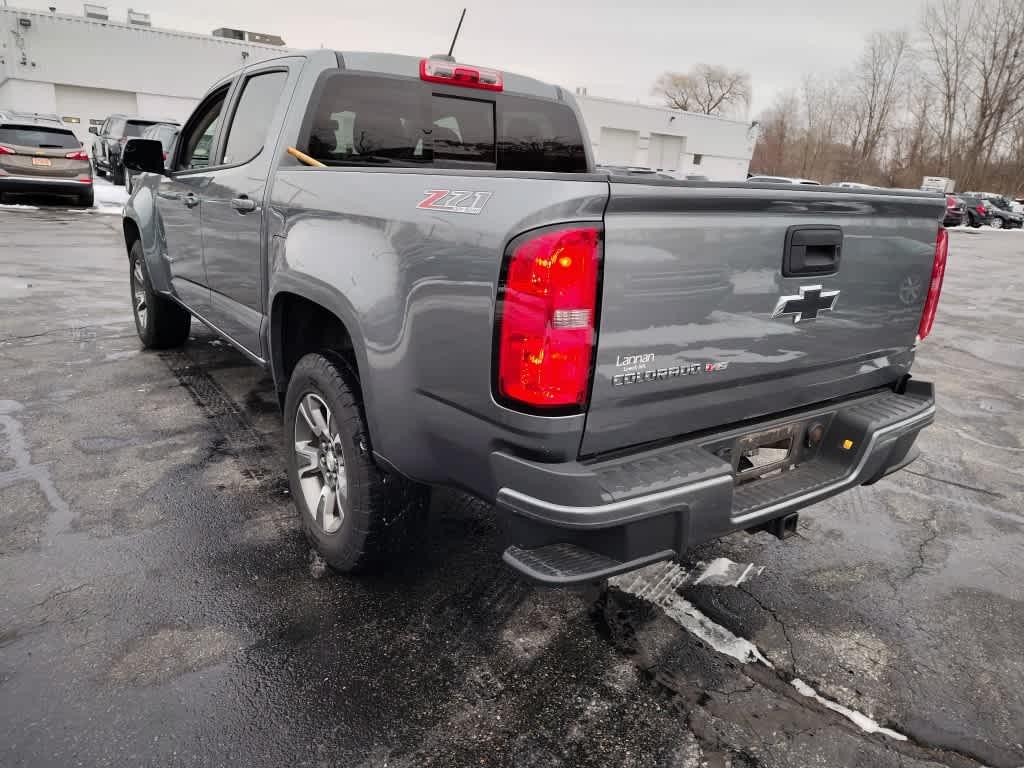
(447, 292)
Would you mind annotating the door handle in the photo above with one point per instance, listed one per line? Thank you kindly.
(243, 204)
(191, 200)
(812, 250)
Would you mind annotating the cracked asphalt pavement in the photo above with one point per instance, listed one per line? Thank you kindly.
(159, 606)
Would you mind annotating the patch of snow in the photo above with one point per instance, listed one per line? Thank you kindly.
(862, 721)
(659, 585)
(109, 198)
(723, 572)
(21, 207)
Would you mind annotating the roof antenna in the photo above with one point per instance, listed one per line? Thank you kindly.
(456, 37)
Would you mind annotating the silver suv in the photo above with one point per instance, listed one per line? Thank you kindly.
(39, 154)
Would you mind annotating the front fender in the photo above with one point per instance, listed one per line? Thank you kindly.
(141, 209)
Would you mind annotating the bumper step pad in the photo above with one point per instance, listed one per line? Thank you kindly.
(569, 564)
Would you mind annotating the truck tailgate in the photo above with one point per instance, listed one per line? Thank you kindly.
(700, 328)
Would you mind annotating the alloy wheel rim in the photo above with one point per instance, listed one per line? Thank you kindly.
(320, 462)
(139, 295)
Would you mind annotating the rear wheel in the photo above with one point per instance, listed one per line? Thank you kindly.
(352, 511)
(997, 223)
(86, 199)
(117, 174)
(160, 322)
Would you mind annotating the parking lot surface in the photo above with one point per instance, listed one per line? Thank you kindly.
(159, 606)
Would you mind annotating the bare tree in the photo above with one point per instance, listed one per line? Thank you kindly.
(947, 27)
(707, 88)
(874, 91)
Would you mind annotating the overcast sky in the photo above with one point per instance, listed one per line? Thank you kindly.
(614, 49)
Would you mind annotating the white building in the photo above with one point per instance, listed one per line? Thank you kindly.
(84, 69)
(667, 139)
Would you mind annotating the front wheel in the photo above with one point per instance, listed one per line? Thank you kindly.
(997, 223)
(160, 322)
(352, 511)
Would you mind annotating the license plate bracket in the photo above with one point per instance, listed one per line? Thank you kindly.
(761, 454)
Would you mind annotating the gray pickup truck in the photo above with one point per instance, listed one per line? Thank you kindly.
(447, 292)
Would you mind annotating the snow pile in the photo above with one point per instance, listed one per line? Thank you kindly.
(109, 198)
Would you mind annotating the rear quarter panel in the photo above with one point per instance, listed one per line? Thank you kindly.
(416, 289)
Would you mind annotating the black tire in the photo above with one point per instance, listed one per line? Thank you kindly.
(99, 171)
(160, 322)
(86, 199)
(117, 175)
(380, 511)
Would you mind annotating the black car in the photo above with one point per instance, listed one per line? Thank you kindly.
(166, 134)
(955, 213)
(977, 210)
(110, 140)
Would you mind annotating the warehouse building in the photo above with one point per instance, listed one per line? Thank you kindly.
(87, 67)
(665, 139)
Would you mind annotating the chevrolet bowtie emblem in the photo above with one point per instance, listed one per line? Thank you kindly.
(807, 305)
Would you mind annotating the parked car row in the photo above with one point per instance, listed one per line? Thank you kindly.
(108, 146)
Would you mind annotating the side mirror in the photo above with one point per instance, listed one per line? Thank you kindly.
(94, 130)
(145, 155)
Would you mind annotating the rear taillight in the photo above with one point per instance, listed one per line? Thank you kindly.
(981, 209)
(165, 155)
(6, 150)
(79, 155)
(950, 202)
(931, 303)
(547, 310)
(450, 73)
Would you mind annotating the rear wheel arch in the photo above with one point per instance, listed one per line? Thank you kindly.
(299, 325)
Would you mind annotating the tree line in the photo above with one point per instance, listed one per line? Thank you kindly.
(943, 99)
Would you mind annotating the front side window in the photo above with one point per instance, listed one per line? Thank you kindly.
(249, 126)
(200, 134)
(360, 120)
(462, 130)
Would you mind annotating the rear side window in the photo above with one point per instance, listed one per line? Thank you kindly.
(249, 126)
(538, 135)
(368, 121)
(134, 128)
(40, 138)
(462, 131)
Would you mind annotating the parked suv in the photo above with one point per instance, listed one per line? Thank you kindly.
(955, 214)
(1003, 215)
(110, 140)
(977, 210)
(40, 154)
(165, 133)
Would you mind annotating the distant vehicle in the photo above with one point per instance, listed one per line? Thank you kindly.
(978, 211)
(40, 154)
(851, 185)
(781, 180)
(999, 201)
(110, 140)
(939, 184)
(954, 212)
(696, 177)
(165, 133)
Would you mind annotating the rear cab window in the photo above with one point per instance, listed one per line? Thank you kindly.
(134, 128)
(37, 137)
(357, 119)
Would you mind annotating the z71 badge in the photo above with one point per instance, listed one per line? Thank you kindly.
(452, 201)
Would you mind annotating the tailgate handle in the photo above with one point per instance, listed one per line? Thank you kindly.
(812, 250)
